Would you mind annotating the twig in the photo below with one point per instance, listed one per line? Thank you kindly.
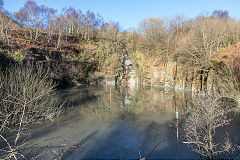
(155, 148)
(10, 148)
(22, 116)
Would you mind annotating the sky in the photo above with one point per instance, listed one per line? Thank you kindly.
(130, 12)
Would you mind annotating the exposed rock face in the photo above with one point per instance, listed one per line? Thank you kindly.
(71, 73)
(170, 75)
(5, 62)
(65, 73)
(68, 73)
(43, 54)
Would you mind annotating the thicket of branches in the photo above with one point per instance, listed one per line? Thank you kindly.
(201, 126)
(27, 97)
(29, 85)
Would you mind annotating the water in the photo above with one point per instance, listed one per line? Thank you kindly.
(116, 123)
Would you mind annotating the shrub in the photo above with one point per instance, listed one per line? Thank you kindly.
(18, 56)
(201, 127)
(27, 95)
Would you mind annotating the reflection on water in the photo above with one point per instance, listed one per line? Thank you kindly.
(117, 123)
(107, 103)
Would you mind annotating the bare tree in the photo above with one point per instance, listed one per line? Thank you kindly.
(60, 26)
(50, 25)
(34, 17)
(44, 15)
(27, 16)
(201, 125)
(220, 14)
(5, 22)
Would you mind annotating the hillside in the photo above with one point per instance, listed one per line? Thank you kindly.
(84, 49)
(7, 22)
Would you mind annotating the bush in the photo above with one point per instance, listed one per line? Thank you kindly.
(201, 127)
(18, 56)
(27, 95)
